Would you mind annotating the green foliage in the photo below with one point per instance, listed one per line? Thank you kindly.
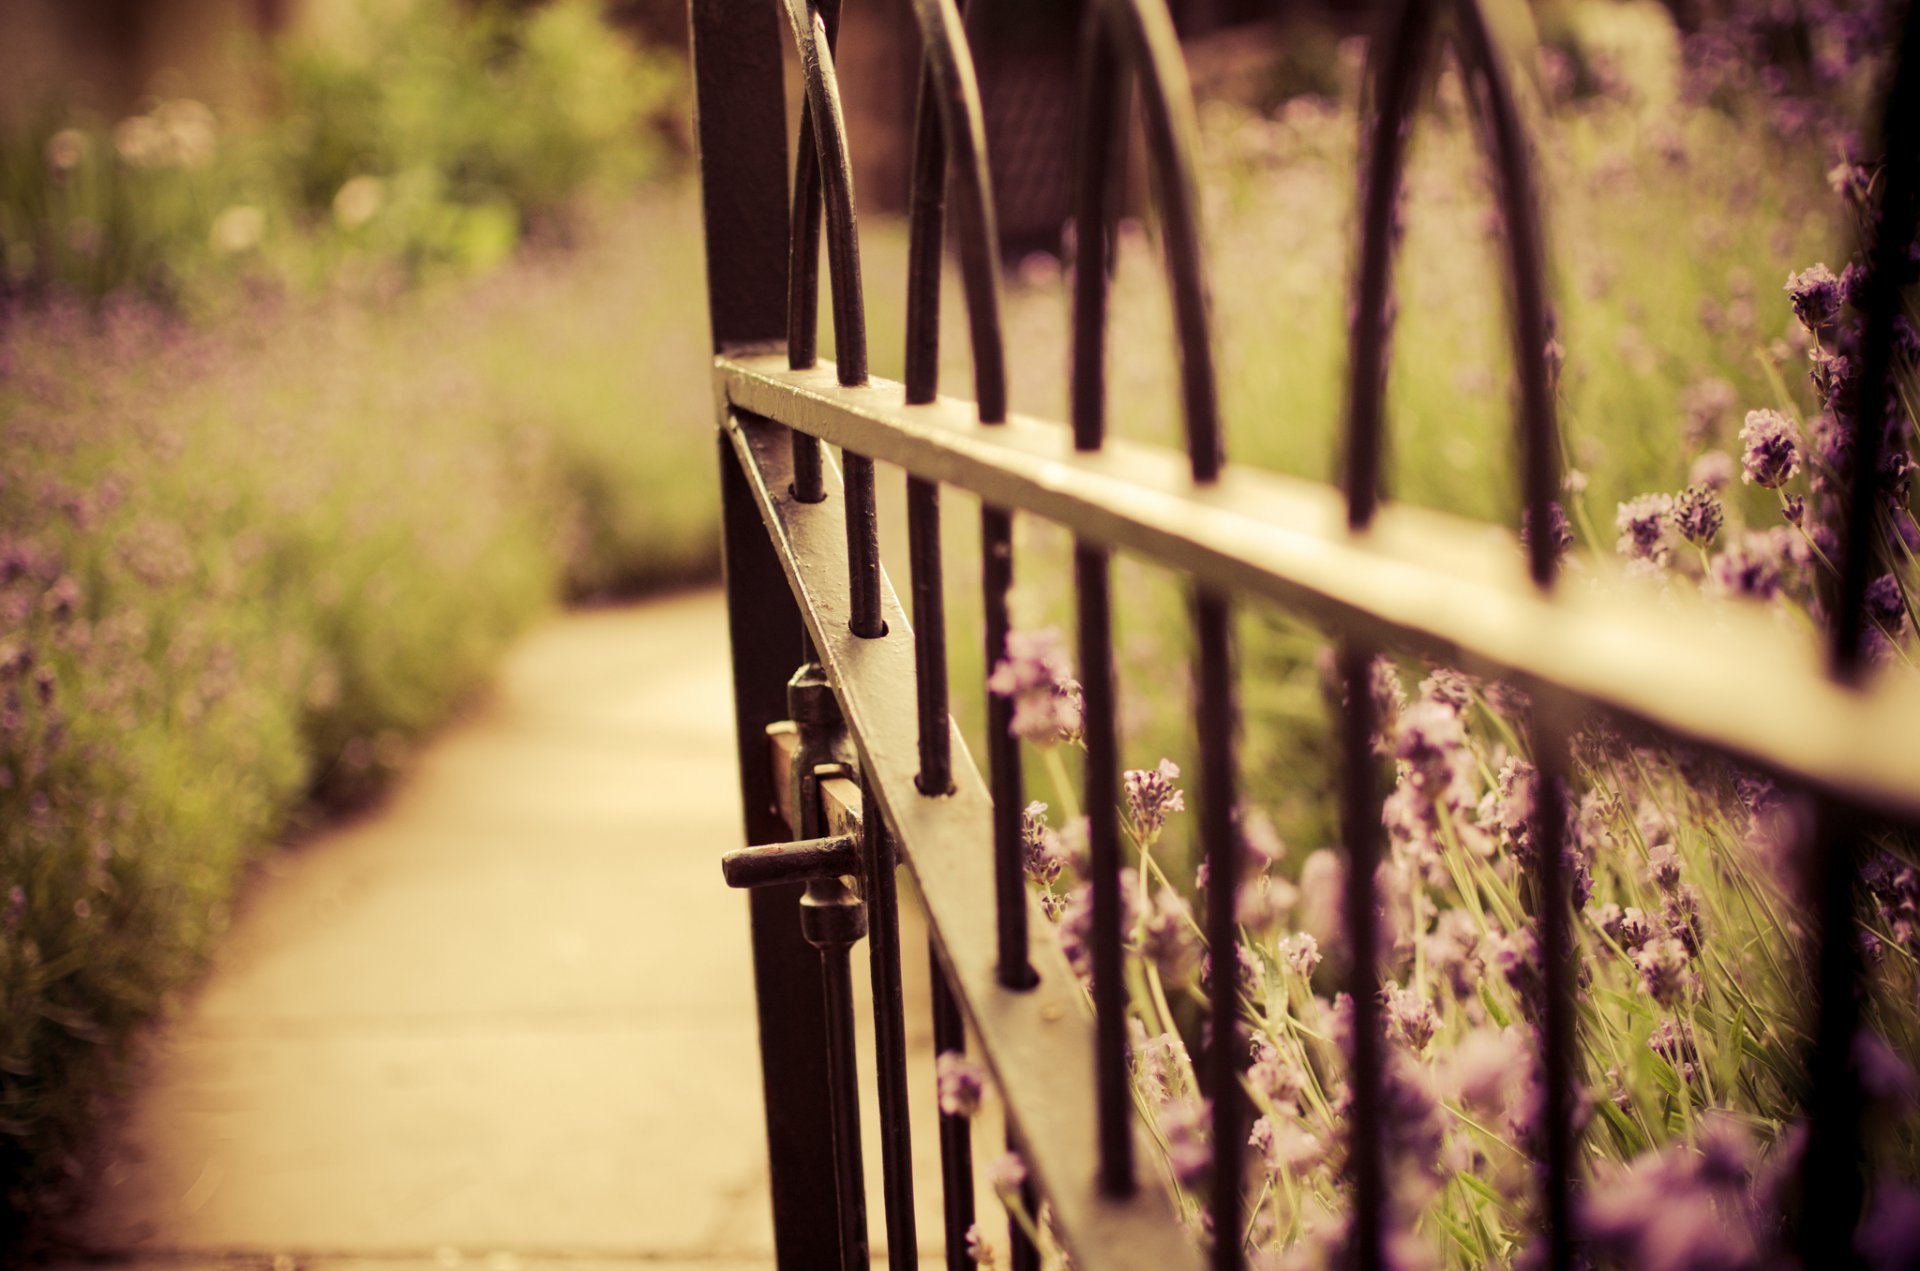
(248, 564)
(418, 137)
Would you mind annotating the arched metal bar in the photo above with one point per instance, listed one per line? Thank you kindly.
(1125, 39)
(829, 134)
(1831, 1186)
(803, 273)
(1395, 83)
(1539, 445)
(1526, 267)
(1140, 33)
(949, 82)
(1396, 86)
(824, 123)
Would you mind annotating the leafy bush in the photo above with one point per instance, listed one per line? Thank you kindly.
(249, 563)
(412, 137)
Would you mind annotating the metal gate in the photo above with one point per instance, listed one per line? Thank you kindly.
(849, 765)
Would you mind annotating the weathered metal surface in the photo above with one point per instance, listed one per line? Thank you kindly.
(1416, 580)
(1036, 1040)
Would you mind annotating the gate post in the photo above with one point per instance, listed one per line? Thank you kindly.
(740, 128)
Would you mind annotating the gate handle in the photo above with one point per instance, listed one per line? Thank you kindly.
(797, 862)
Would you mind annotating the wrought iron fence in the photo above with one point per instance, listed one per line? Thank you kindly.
(840, 770)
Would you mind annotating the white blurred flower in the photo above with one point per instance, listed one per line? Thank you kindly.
(66, 149)
(140, 142)
(188, 128)
(175, 134)
(238, 229)
(359, 201)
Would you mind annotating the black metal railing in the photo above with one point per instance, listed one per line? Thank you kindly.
(865, 759)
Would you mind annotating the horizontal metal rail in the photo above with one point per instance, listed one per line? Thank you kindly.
(1416, 580)
(1024, 1034)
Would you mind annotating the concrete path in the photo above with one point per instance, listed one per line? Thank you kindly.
(504, 1021)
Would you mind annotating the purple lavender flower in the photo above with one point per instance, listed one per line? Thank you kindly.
(1165, 936)
(1772, 452)
(1816, 297)
(1158, 1062)
(1672, 1040)
(1662, 963)
(1007, 1173)
(1642, 523)
(960, 1082)
(1680, 912)
(1449, 688)
(1034, 677)
(1697, 515)
(1300, 953)
(1279, 1079)
(1884, 1076)
(1559, 529)
(1184, 1123)
(1833, 378)
(1887, 605)
(1151, 796)
(1750, 568)
(1409, 1016)
(1040, 852)
(1076, 921)
(1663, 866)
(1714, 470)
(1506, 811)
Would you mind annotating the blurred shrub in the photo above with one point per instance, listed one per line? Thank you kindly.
(418, 136)
(248, 562)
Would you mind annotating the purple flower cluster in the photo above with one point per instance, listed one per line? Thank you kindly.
(960, 1082)
(1772, 453)
(1035, 677)
(1151, 796)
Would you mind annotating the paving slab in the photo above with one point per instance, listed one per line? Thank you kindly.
(505, 1020)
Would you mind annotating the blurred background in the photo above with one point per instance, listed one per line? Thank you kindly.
(343, 339)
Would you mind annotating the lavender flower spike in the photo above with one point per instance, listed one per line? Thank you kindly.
(1034, 676)
(1151, 796)
(1772, 449)
(961, 1081)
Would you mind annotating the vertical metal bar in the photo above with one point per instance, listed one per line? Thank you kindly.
(1360, 830)
(764, 627)
(1113, 1095)
(1095, 201)
(951, 92)
(1173, 148)
(1889, 267)
(740, 113)
(1003, 757)
(1395, 85)
(926, 227)
(1222, 843)
(803, 299)
(740, 129)
(930, 635)
(837, 975)
(863, 548)
(810, 21)
(956, 1132)
(803, 292)
(1553, 910)
(1025, 1255)
(1539, 439)
(1831, 1183)
(889, 1033)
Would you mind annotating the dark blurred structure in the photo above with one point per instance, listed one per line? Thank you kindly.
(108, 56)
